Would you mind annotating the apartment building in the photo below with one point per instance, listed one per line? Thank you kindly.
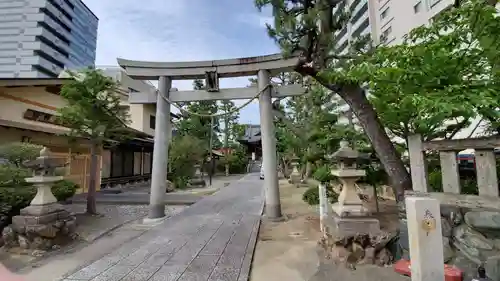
(360, 24)
(41, 38)
(386, 21)
(396, 18)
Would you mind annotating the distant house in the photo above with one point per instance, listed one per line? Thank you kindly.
(252, 140)
(28, 113)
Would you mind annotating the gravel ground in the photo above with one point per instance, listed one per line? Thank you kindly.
(110, 217)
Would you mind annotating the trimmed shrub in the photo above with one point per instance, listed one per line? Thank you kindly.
(64, 189)
(311, 195)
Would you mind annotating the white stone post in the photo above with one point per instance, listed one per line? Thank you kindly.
(273, 205)
(426, 241)
(323, 206)
(160, 153)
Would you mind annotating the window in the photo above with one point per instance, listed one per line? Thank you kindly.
(387, 32)
(385, 35)
(152, 121)
(418, 7)
(434, 2)
(385, 13)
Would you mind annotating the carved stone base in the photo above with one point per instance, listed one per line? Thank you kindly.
(40, 227)
(197, 182)
(346, 226)
(295, 178)
(348, 210)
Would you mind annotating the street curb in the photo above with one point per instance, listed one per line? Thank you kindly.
(132, 202)
(246, 268)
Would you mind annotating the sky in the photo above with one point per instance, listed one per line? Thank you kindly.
(183, 30)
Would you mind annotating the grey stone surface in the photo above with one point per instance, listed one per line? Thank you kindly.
(213, 239)
(90, 228)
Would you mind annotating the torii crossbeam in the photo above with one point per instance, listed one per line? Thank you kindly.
(263, 66)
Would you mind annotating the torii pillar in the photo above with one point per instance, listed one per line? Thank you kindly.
(163, 129)
(271, 186)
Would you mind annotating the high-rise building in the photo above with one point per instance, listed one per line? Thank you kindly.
(387, 21)
(40, 38)
(397, 18)
(361, 22)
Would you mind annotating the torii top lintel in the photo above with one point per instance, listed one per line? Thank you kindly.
(145, 70)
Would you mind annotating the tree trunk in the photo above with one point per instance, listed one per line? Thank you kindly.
(390, 159)
(284, 164)
(91, 194)
(308, 170)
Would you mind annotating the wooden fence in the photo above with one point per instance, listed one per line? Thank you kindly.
(78, 169)
(485, 165)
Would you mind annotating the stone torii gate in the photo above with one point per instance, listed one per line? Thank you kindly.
(264, 67)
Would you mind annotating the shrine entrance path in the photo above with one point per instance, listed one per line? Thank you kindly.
(213, 239)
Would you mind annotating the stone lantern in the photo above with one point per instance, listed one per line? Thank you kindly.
(44, 221)
(295, 175)
(197, 180)
(349, 213)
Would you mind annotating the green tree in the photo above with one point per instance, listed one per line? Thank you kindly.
(93, 112)
(308, 28)
(200, 126)
(184, 153)
(17, 153)
(229, 122)
(425, 76)
(439, 76)
(13, 173)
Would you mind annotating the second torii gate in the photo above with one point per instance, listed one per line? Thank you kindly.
(264, 67)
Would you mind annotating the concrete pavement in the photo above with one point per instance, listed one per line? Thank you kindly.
(212, 240)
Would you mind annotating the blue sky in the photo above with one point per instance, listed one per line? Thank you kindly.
(183, 30)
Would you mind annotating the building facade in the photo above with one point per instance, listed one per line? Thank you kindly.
(361, 23)
(397, 18)
(41, 38)
(386, 21)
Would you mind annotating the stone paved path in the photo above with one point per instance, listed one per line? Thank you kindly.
(212, 240)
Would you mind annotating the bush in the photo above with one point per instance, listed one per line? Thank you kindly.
(18, 152)
(323, 174)
(12, 200)
(64, 189)
(184, 153)
(467, 185)
(237, 161)
(311, 195)
(11, 175)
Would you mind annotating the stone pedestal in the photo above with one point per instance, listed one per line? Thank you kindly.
(349, 226)
(425, 234)
(350, 217)
(197, 180)
(349, 203)
(40, 227)
(44, 223)
(295, 176)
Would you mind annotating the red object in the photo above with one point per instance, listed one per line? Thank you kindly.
(451, 273)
